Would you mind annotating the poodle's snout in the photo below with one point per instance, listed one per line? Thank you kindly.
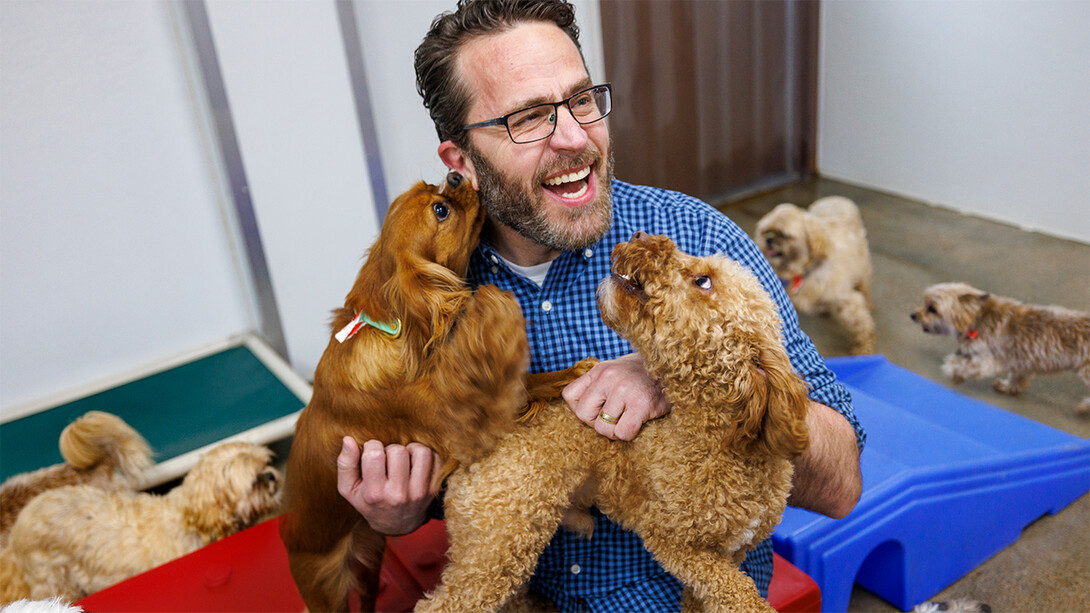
(454, 179)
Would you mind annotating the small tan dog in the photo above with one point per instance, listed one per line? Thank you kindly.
(78, 539)
(701, 485)
(98, 448)
(1003, 337)
(822, 257)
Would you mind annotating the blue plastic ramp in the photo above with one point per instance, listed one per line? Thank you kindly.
(948, 481)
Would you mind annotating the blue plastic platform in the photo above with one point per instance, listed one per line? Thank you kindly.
(948, 481)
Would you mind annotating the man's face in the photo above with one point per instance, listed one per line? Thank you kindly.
(554, 191)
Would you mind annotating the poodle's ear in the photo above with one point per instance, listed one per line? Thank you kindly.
(773, 420)
(817, 238)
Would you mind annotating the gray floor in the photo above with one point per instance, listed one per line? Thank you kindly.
(914, 245)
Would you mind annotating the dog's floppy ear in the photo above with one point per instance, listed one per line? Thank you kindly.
(427, 296)
(773, 418)
(208, 507)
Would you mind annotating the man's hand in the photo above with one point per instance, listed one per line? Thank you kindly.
(390, 485)
(619, 391)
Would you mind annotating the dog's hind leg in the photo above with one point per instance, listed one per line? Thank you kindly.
(716, 582)
(856, 320)
(327, 559)
(1084, 374)
(502, 511)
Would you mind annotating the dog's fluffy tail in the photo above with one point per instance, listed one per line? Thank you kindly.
(99, 438)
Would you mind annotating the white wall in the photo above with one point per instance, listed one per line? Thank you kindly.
(113, 247)
(977, 105)
(286, 77)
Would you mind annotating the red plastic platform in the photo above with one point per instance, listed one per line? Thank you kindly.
(249, 572)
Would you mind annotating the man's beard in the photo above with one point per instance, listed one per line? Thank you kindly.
(509, 204)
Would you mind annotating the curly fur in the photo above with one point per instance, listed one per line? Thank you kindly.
(99, 449)
(453, 380)
(701, 486)
(822, 257)
(78, 539)
(1003, 337)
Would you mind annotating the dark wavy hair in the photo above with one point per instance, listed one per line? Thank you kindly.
(445, 96)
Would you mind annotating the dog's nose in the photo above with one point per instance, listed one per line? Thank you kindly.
(914, 316)
(454, 179)
(640, 234)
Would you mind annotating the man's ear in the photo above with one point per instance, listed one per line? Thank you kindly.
(458, 161)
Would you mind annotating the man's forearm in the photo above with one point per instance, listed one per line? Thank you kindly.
(827, 478)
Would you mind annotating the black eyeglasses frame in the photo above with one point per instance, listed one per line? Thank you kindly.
(502, 121)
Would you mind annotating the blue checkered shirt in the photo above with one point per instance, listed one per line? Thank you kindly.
(613, 571)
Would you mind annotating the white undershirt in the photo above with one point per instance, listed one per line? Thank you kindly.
(534, 273)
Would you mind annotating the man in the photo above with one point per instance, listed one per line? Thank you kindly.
(519, 116)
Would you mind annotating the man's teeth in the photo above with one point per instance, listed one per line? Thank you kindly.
(570, 177)
(577, 193)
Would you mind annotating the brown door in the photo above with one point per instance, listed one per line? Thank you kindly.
(714, 98)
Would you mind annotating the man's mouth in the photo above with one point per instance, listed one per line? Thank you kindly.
(570, 186)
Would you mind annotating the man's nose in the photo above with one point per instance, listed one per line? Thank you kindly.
(569, 133)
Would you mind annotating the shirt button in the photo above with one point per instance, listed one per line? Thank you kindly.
(495, 269)
(495, 260)
(588, 253)
(546, 306)
(575, 570)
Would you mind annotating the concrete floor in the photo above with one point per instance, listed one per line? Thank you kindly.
(914, 245)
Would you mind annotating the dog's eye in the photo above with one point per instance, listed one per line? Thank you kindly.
(931, 309)
(442, 211)
(704, 282)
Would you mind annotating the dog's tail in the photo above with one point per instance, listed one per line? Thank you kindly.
(98, 438)
(13, 585)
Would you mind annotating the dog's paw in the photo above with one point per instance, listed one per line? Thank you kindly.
(583, 366)
(952, 368)
(957, 605)
(1006, 386)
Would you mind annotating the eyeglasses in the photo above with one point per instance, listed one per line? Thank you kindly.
(538, 122)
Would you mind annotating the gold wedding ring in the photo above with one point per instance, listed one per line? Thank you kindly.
(609, 419)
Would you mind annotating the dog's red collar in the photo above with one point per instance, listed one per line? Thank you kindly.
(971, 334)
(796, 283)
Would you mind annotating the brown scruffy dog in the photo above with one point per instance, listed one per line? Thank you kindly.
(98, 448)
(1003, 337)
(78, 539)
(822, 257)
(701, 486)
(437, 363)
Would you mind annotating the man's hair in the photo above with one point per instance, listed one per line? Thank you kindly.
(447, 97)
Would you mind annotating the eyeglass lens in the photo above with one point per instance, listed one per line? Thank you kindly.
(538, 122)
